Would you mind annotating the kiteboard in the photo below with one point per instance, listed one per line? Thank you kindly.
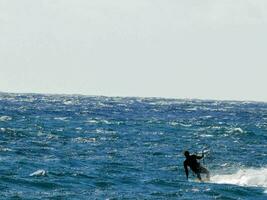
(203, 180)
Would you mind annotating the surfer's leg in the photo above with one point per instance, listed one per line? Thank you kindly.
(198, 176)
(205, 171)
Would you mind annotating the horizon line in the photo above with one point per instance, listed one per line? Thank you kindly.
(133, 96)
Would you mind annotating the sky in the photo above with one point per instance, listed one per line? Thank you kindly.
(208, 49)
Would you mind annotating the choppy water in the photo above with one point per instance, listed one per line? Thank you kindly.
(78, 147)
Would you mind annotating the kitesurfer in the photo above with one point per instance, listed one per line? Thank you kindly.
(191, 161)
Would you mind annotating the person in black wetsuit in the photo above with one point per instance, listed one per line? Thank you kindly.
(191, 161)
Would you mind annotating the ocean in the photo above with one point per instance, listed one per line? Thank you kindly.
(94, 147)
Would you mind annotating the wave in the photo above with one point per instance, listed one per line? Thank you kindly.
(84, 140)
(39, 172)
(244, 177)
(235, 130)
(5, 118)
(61, 118)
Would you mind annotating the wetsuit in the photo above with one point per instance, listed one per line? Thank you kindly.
(191, 161)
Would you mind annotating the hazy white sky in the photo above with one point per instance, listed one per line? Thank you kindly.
(209, 49)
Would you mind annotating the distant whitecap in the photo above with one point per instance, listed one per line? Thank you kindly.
(236, 130)
(39, 172)
(5, 118)
(206, 135)
(61, 118)
(84, 140)
(68, 102)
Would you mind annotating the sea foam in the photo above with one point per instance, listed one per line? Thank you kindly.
(39, 172)
(5, 118)
(244, 177)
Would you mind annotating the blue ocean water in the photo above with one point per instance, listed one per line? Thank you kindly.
(83, 147)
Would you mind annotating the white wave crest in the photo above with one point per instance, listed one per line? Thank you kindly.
(236, 130)
(39, 172)
(68, 102)
(244, 177)
(5, 118)
(84, 140)
(61, 118)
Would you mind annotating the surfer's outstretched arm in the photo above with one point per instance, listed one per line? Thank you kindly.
(186, 170)
(200, 157)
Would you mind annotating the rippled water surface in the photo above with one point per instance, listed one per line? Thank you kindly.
(80, 147)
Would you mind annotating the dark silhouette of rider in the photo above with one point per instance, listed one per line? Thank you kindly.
(191, 161)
